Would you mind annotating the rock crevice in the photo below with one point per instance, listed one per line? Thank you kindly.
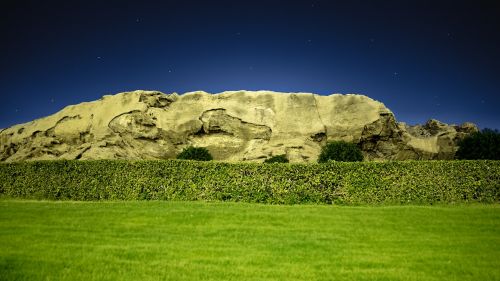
(321, 136)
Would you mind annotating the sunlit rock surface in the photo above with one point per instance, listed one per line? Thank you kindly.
(233, 125)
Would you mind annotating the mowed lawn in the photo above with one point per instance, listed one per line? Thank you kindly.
(153, 240)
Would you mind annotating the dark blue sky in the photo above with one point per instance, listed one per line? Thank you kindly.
(423, 59)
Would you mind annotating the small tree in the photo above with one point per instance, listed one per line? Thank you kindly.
(480, 145)
(340, 151)
(277, 159)
(195, 153)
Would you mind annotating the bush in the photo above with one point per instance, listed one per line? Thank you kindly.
(195, 153)
(480, 145)
(347, 183)
(340, 151)
(277, 159)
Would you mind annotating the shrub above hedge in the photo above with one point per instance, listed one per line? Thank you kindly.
(480, 145)
(277, 159)
(195, 153)
(409, 182)
(340, 151)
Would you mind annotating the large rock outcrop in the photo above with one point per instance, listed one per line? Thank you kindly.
(234, 126)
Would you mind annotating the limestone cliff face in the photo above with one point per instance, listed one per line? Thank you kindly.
(234, 126)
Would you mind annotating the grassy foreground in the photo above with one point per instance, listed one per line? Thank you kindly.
(235, 241)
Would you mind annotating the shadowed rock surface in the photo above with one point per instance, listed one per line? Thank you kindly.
(233, 126)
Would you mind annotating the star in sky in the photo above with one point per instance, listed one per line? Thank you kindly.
(464, 33)
(372, 42)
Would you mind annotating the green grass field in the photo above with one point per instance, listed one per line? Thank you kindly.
(153, 240)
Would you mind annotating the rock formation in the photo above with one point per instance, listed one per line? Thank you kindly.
(234, 126)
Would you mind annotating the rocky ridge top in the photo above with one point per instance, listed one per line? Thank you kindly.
(233, 125)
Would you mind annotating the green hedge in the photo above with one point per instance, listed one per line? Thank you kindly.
(410, 182)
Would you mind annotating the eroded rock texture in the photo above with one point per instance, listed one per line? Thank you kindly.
(234, 126)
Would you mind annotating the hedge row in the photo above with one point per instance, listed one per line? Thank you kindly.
(410, 182)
